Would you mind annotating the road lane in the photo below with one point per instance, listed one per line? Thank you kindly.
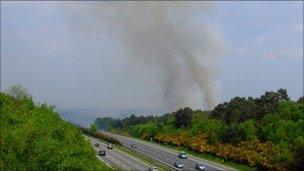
(118, 158)
(166, 155)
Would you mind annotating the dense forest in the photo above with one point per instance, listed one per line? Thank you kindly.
(265, 132)
(33, 137)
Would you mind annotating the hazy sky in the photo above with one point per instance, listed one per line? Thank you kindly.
(85, 68)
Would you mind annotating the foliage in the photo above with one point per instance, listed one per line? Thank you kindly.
(93, 129)
(33, 137)
(99, 135)
(183, 118)
(18, 92)
(105, 123)
(301, 100)
(266, 132)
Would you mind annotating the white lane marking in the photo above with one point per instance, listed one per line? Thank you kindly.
(145, 164)
(171, 151)
(111, 158)
(169, 165)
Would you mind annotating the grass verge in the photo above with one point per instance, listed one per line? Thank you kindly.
(209, 157)
(144, 158)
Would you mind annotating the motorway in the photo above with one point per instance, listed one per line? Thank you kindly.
(166, 155)
(117, 158)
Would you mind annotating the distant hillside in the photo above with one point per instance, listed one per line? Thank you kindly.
(85, 117)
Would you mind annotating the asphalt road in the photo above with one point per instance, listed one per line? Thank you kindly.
(118, 158)
(164, 154)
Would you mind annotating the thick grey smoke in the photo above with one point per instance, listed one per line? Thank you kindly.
(172, 41)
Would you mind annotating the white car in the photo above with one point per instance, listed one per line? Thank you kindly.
(178, 165)
(200, 166)
(182, 155)
(153, 168)
(110, 146)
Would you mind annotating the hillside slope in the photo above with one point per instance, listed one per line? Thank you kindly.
(33, 137)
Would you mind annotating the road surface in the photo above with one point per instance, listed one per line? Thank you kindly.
(164, 154)
(118, 158)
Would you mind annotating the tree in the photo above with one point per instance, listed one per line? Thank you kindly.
(220, 111)
(269, 102)
(248, 130)
(105, 123)
(183, 118)
(301, 100)
(36, 138)
(283, 96)
(93, 128)
(18, 92)
(231, 134)
(299, 153)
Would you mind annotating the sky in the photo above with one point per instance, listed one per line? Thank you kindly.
(87, 68)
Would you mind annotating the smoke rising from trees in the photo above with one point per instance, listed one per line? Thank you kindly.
(171, 40)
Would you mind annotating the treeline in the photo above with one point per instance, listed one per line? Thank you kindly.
(33, 137)
(96, 134)
(265, 132)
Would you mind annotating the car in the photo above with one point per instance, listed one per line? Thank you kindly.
(133, 145)
(97, 145)
(200, 166)
(110, 146)
(153, 168)
(102, 153)
(182, 155)
(178, 165)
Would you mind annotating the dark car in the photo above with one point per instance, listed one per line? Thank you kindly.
(97, 145)
(182, 155)
(178, 165)
(133, 145)
(102, 153)
(200, 166)
(110, 146)
(152, 168)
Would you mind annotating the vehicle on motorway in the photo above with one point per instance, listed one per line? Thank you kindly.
(102, 153)
(178, 165)
(133, 145)
(182, 155)
(110, 146)
(200, 166)
(153, 168)
(97, 145)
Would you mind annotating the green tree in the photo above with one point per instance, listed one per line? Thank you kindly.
(248, 129)
(105, 123)
(269, 102)
(299, 153)
(301, 100)
(183, 118)
(34, 137)
(93, 129)
(231, 134)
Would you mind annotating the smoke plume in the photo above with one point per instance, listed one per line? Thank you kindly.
(172, 40)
